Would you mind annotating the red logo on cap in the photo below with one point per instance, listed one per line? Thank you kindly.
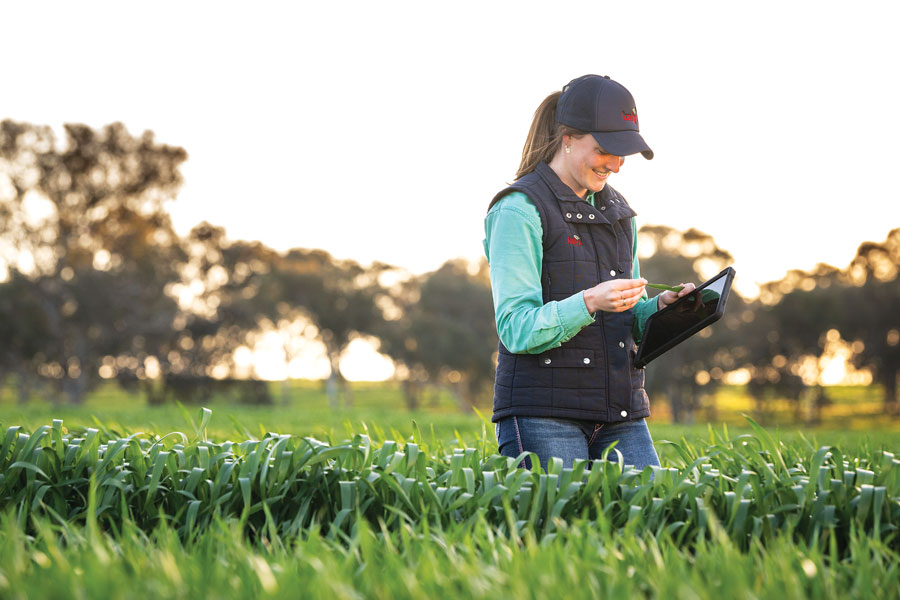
(631, 117)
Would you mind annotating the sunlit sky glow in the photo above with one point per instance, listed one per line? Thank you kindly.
(380, 130)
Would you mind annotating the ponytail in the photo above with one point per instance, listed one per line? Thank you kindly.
(544, 137)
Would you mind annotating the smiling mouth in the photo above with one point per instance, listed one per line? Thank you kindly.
(600, 175)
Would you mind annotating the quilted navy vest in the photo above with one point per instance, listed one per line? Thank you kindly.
(591, 376)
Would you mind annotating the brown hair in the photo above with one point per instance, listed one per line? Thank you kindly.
(545, 136)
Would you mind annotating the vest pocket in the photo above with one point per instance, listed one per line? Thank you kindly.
(567, 357)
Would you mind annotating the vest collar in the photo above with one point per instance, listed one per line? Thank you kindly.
(610, 206)
(562, 192)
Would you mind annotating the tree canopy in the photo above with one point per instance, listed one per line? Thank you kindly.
(95, 284)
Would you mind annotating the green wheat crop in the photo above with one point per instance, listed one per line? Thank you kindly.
(751, 516)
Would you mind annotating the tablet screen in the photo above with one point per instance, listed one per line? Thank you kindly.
(684, 317)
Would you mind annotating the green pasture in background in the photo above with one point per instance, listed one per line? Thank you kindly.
(301, 408)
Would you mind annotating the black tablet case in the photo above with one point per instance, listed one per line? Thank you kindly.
(683, 318)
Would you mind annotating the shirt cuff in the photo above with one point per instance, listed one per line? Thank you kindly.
(573, 315)
(642, 312)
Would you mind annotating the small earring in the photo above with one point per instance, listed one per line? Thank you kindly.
(568, 150)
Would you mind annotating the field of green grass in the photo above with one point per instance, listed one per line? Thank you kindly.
(379, 407)
(116, 499)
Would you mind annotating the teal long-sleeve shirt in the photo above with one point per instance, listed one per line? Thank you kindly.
(515, 252)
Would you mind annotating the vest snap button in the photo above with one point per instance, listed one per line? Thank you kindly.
(568, 215)
(591, 217)
(621, 344)
(602, 208)
(587, 361)
(578, 215)
(612, 272)
(624, 413)
(546, 361)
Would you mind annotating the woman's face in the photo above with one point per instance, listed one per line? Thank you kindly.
(586, 166)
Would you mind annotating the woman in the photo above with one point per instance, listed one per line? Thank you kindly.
(568, 296)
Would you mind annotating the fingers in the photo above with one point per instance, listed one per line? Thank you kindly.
(624, 294)
(616, 295)
(687, 288)
(668, 297)
(632, 294)
(629, 284)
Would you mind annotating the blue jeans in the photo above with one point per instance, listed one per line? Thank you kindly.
(570, 439)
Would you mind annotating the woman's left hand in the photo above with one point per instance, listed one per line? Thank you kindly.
(666, 298)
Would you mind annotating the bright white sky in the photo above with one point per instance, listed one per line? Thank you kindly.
(380, 130)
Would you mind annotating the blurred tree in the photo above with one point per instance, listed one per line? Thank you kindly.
(691, 370)
(24, 332)
(397, 339)
(338, 297)
(219, 309)
(798, 314)
(220, 299)
(871, 314)
(783, 341)
(447, 333)
(85, 222)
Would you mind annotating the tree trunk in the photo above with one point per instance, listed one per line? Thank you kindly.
(155, 391)
(757, 391)
(712, 408)
(75, 388)
(75, 381)
(674, 396)
(331, 388)
(463, 396)
(891, 403)
(335, 383)
(797, 406)
(24, 385)
(676, 402)
(820, 400)
(692, 402)
(347, 389)
(411, 392)
(285, 385)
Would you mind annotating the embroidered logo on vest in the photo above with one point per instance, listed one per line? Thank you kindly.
(574, 240)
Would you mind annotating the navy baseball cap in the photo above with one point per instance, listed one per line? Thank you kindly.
(606, 110)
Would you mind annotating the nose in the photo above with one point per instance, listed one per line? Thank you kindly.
(614, 163)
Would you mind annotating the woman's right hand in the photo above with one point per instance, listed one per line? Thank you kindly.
(616, 295)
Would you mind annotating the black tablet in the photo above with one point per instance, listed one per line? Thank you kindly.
(683, 318)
